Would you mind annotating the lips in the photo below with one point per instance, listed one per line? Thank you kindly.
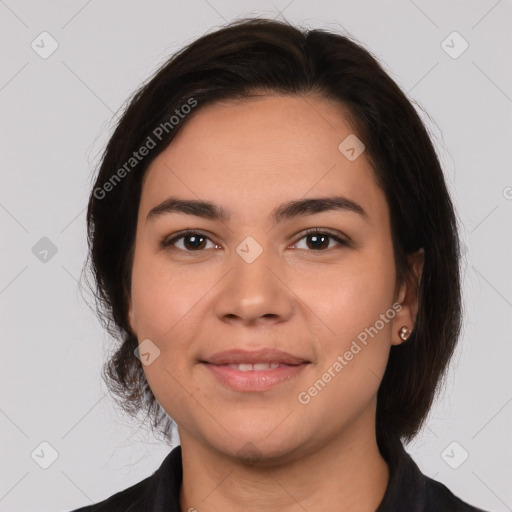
(250, 371)
(258, 367)
(264, 356)
(249, 380)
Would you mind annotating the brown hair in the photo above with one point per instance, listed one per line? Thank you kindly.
(258, 54)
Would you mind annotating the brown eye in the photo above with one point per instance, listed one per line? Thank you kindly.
(320, 240)
(192, 241)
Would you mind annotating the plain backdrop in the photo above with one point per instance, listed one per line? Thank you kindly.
(58, 110)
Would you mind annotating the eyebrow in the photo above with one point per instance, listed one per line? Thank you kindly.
(298, 208)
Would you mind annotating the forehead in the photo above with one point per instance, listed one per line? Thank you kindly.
(252, 154)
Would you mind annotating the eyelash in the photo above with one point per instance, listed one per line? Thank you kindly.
(167, 242)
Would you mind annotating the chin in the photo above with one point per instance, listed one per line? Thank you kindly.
(259, 448)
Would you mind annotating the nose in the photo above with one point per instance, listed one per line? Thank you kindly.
(255, 291)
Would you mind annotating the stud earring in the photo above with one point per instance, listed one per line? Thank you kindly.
(404, 333)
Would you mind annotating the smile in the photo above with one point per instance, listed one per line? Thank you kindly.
(245, 377)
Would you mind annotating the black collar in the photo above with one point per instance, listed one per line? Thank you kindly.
(408, 490)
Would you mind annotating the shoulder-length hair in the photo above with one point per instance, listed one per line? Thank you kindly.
(253, 55)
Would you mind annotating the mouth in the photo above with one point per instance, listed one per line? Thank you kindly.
(244, 371)
(256, 358)
(259, 370)
(256, 367)
(253, 377)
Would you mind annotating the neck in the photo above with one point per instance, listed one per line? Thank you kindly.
(346, 472)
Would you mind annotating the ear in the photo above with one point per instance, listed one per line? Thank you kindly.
(132, 319)
(408, 297)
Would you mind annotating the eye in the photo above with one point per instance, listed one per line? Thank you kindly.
(319, 239)
(194, 241)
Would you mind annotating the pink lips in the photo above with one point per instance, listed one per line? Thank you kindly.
(223, 366)
(264, 355)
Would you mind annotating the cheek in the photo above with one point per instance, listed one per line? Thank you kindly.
(352, 295)
(351, 360)
(169, 308)
(160, 298)
(355, 303)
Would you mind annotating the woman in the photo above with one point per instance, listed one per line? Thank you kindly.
(273, 241)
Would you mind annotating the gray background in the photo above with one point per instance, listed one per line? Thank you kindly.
(58, 113)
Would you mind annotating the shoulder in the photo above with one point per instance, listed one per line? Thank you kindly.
(409, 489)
(160, 491)
(439, 497)
(134, 498)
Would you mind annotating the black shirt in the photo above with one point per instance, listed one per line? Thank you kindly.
(408, 491)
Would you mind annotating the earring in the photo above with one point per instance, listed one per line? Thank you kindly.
(404, 333)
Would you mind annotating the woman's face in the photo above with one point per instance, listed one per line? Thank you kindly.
(254, 281)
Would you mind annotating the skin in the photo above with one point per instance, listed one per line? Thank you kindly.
(266, 450)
